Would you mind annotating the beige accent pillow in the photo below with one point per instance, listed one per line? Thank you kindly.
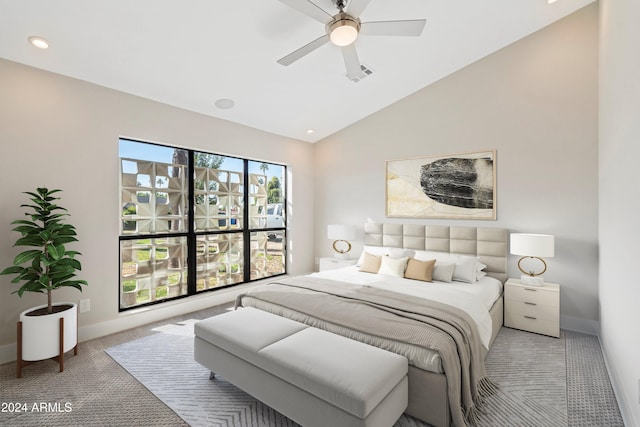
(420, 270)
(370, 263)
(372, 250)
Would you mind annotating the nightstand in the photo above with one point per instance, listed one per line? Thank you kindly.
(334, 263)
(532, 308)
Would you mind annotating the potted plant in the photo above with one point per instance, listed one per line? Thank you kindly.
(43, 268)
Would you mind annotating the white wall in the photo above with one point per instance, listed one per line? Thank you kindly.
(63, 133)
(619, 201)
(535, 102)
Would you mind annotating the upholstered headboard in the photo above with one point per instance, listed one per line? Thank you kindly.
(488, 244)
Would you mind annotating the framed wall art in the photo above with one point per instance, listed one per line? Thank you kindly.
(452, 186)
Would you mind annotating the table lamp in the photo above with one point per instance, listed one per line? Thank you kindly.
(536, 246)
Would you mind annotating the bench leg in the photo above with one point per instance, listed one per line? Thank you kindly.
(212, 375)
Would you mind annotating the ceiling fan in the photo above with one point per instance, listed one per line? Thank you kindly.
(343, 28)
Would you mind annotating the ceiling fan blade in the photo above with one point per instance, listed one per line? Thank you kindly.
(351, 61)
(310, 9)
(356, 7)
(304, 50)
(393, 28)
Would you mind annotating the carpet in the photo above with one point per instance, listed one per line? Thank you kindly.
(531, 371)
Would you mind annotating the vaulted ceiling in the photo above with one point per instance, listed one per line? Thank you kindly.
(191, 54)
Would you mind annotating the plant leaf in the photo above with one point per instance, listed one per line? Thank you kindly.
(29, 240)
(53, 252)
(24, 229)
(44, 280)
(15, 269)
(25, 222)
(25, 256)
(61, 240)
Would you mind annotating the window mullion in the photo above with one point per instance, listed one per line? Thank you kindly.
(246, 232)
(191, 240)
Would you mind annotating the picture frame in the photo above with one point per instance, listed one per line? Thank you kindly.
(448, 186)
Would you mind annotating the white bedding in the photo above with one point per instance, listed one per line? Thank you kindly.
(474, 298)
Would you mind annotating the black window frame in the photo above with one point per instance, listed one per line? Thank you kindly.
(192, 235)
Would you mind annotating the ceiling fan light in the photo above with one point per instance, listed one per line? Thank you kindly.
(343, 32)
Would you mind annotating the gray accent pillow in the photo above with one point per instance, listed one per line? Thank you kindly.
(443, 271)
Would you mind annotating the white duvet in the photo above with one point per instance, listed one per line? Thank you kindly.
(474, 298)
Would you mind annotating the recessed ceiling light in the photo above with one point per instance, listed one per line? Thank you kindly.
(551, 1)
(310, 131)
(224, 103)
(39, 42)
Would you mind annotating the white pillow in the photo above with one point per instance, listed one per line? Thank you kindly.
(427, 255)
(401, 253)
(443, 271)
(393, 266)
(479, 273)
(373, 250)
(465, 270)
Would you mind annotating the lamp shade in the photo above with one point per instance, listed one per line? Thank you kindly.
(533, 245)
(341, 232)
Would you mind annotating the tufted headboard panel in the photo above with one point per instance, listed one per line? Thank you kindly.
(488, 244)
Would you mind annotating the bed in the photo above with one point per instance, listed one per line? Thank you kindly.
(332, 300)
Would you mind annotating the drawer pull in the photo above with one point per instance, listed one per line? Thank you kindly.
(530, 303)
(530, 317)
(532, 290)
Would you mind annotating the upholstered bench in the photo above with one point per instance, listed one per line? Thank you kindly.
(314, 377)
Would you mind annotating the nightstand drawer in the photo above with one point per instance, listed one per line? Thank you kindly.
(532, 295)
(531, 324)
(529, 309)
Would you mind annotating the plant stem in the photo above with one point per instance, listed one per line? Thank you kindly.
(46, 271)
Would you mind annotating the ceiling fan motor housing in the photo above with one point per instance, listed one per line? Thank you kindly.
(343, 29)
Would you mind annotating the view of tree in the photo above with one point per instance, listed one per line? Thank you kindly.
(274, 194)
(180, 157)
(205, 160)
(202, 160)
(264, 168)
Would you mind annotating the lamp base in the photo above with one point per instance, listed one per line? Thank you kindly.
(531, 280)
(341, 255)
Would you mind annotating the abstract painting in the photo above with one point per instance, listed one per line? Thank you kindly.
(452, 186)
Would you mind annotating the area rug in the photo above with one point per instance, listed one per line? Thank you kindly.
(530, 369)
(164, 364)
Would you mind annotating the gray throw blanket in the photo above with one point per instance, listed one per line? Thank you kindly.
(395, 317)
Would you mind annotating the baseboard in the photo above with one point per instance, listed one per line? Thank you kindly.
(577, 324)
(8, 353)
(144, 315)
(628, 416)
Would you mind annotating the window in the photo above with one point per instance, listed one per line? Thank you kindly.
(194, 221)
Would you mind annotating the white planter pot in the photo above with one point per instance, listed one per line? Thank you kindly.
(41, 334)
